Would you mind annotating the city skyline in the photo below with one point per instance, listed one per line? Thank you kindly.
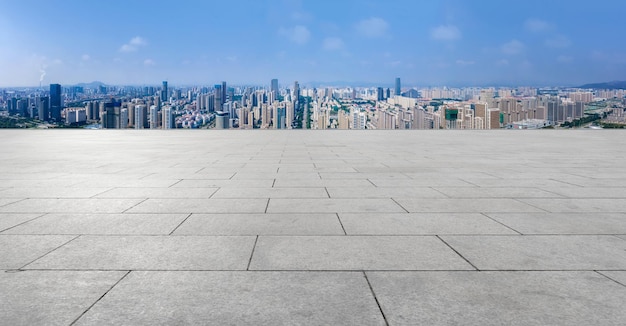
(428, 44)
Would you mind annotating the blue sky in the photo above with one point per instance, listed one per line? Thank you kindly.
(426, 43)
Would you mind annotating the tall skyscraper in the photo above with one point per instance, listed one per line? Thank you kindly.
(296, 91)
(164, 93)
(224, 92)
(141, 112)
(380, 95)
(218, 98)
(55, 102)
(168, 118)
(154, 117)
(398, 91)
(274, 87)
(43, 108)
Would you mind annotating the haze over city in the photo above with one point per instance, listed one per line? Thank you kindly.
(455, 43)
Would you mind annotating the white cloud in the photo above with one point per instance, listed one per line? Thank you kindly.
(149, 62)
(465, 62)
(85, 57)
(564, 59)
(298, 34)
(372, 27)
(502, 62)
(301, 16)
(537, 25)
(558, 41)
(512, 47)
(445, 33)
(134, 44)
(333, 44)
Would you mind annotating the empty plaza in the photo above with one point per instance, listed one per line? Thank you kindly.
(304, 227)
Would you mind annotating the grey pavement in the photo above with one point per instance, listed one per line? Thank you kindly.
(312, 227)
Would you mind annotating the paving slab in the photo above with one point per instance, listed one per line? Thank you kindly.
(131, 183)
(261, 224)
(308, 192)
(531, 183)
(425, 182)
(299, 183)
(182, 193)
(332, 205)
(12, 219)
(498, 298)
(242, 183)
(563, 223)
(354, 253)
(51, 192)
(496, 192)
(590, 192)
(114, 224)
(237, 298)
(541, 252)
(464, 205)
(578, 205)
(384, 192)
(420, 224)
(19, 250)
(201, 206)
(150, 253)
(51, 297)
(70, 205)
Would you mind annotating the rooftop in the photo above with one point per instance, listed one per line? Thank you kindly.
(312, 227)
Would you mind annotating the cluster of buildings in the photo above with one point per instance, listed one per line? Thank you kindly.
(251, 107)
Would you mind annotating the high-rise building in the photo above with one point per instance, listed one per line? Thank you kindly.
(224, 92)
(218, 98)
(124, 118)
(296, 91)
(274, 86)
(154, 117)
(164, 93)
(43, 108)
(380, 96)
(221, 120)
(111, 116)
(140, 116)
(398, 91)
(55, 102)
(168, 118)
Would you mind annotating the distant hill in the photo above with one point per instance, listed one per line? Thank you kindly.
(608, 85)
(92, 85)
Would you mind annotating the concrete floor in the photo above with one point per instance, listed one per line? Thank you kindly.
(312, 227)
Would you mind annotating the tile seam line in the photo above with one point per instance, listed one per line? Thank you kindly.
(139, 203)
(531, 205)
(14, 226)
(49, 252)
(458, 253)
(406, 210)
(173, 184)
(610, 278)
(100, 298)
(506, 226)
(380, 308)
(181, 223)
(252, 253)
